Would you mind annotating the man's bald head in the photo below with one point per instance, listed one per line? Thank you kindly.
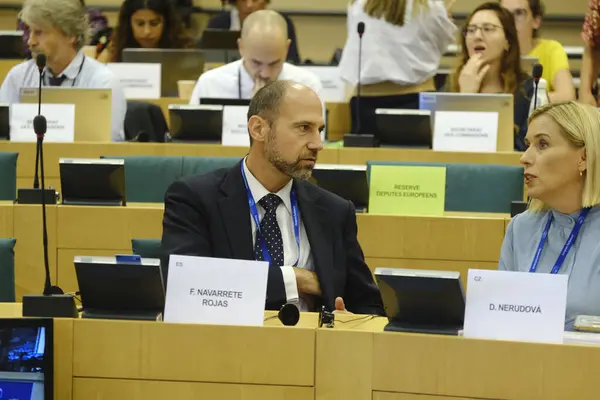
(264, 45)
(264, 24)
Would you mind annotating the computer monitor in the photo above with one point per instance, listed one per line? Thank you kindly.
(12, 46)
(26, 358)
(93, 109)
(176, 65)
(347, 181)
(422, 301)
(196, 123)
(120, 290)
(92, 182)
(224, 102)
(405, 128)
(503, 104)
(5, 121)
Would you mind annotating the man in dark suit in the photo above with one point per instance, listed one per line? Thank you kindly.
(264, 209)
(233, 20)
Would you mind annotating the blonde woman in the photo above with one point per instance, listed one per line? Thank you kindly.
(402, 47)
(559, 232)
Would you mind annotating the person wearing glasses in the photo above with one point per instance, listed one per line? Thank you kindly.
(491, 62)
(550, 53)
(558, 234)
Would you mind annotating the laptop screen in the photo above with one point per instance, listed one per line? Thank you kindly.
(24, 360)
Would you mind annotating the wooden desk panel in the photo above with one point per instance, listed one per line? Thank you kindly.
(411, 396)
(6, 219)
(194, 353)
(119, 389)
(455, 366)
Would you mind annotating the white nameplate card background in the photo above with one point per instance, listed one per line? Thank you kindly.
(522, 306)
(60, 120)
(235, 126)
(216, 291)
(465, 131)
(334, 87)
(139, 80)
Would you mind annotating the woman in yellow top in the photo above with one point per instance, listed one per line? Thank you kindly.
(550, 53)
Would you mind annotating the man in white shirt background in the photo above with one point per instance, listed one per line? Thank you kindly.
(263, 45)
(59, 29)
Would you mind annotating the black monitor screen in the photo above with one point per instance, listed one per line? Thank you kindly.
(25, 361)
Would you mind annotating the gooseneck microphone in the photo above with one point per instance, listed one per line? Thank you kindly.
(53, 302)
(361, 31)
(538, 69)
(40, 61)
(359, 138)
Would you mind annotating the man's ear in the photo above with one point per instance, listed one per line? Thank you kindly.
(240, 44)
(258, 128)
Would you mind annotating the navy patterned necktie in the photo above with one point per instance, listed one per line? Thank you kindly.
(270, 232)
(56, 81)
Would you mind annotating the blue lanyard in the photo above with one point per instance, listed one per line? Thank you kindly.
(254, 212)
(567, 247)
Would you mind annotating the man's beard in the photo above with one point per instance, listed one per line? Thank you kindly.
(293, 170)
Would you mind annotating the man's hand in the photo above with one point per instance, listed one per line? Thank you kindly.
(259, 83)
(340, 307)
(308, 282)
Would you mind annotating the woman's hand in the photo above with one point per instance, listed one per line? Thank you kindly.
(472, 75)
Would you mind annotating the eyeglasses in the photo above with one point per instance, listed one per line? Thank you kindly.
(519, 14)
(486, 29)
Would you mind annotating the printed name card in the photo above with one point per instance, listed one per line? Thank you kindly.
(139, 80)
(522, 306)
(60, 122)
(408, 190)
(235, 126)
(465, 131)
(334, 88)
(216, 291)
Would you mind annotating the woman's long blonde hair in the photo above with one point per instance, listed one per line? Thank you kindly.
(393, 11)
(580, 125)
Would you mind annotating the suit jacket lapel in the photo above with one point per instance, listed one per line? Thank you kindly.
(235, 214)
(316, 220)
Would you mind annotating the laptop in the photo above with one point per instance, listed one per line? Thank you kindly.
(421, 301)
(503, 104)
(93, 109)
(120, 290)
(27, 358)
(220, 45)
(347, 181)
(403, 128)
(224, 102)
(176, 65)
(4, 121)
(12, 46)
(196, 123)
(92, 182)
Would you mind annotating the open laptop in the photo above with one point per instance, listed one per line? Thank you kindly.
(93, 109)
(4, 121)
(92, 182)
(347, 181)
(176, 65)
(403, 128)
(503, 104)
(196, 123)
(26, 358)
(11, 45)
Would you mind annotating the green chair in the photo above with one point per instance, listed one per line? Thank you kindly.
(147, 178)
(476, 187)
(8, 176)
(7, 270)
(203, 165)
(147, 248)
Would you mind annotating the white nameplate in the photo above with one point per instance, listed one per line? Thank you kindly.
(465, 131)
(520, 306)
(235, 126)
(216, 291)
(138, 80)
(60, 122)
(334, 87)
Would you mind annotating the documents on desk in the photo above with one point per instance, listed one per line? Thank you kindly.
(216, 291)
(465, 131)
(60, 122)
(520, 306)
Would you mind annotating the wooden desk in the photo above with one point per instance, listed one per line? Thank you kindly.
(6, 219)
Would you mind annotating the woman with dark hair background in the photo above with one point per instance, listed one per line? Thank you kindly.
(233, 20)
(150, 24)
(491, 62)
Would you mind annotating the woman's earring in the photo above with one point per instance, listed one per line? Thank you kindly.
(580, 173)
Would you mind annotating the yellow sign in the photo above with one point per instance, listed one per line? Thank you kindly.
(407, 190)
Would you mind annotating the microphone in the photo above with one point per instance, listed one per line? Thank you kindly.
(289, 315)
(359, 138)
(538, 69)
(53, 302)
